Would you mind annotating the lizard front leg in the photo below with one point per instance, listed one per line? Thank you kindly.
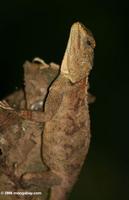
(53, 103)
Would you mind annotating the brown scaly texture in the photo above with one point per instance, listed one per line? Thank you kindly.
(20, 140)
(66, 136)
(38, 77)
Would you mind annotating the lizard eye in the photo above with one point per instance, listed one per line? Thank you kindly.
(89, 42)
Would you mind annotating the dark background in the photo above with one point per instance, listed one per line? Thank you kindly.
(41, 28)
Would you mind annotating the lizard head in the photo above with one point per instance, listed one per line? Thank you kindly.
(78, 57)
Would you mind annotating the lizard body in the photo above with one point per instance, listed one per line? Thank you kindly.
(66, 136)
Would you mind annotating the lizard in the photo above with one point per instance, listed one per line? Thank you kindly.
(65, 113)
(66, 135)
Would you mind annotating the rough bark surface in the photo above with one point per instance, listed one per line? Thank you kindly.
(43, 147)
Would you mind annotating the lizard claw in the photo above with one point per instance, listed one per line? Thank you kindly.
(5, 105)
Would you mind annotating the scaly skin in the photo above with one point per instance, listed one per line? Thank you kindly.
(66, 136)
(38, 76)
